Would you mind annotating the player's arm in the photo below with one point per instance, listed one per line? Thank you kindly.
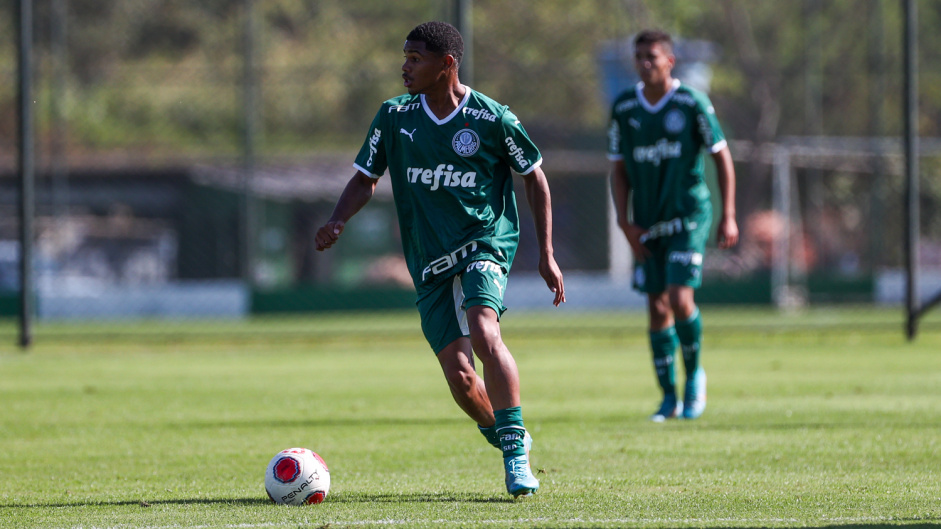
(540, 203)
(727, 232)
(357, 193)
(621, 193)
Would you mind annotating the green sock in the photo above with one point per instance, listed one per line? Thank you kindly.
(510, 429)
(690, 334)
(490, 434)
(663, 344)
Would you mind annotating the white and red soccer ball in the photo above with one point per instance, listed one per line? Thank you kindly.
(297, 476)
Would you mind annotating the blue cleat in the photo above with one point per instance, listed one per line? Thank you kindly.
(670, 408)
(694, 400)
(520, 481)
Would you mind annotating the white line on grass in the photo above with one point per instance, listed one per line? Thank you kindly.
(509, 522)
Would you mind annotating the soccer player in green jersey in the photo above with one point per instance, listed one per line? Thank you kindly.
(450, 151)
(657, 133)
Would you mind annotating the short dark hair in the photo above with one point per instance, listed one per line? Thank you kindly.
(439, 37)
(654, 36)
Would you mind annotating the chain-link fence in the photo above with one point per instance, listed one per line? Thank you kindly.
(187, 151)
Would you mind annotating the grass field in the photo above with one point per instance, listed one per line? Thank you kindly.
(825, 418)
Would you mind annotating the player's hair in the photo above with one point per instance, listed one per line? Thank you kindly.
(441, 38)
(654, 36)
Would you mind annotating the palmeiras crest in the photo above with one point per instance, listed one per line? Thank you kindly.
(674, 122)
(465, 142)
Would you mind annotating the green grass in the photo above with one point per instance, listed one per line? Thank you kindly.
(827, 418)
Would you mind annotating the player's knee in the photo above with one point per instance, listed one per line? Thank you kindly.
(682, 302)
(487, 344)
(486, 338)
(660, 311)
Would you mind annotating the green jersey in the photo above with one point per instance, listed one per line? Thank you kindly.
(452, 181)
(661, 146)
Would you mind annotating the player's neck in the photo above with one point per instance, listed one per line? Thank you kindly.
(653, 93)
(442, 101)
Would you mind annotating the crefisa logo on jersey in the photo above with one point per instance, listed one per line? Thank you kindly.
(373, 142)
(465, 142)
(674, 122)
(516, 153)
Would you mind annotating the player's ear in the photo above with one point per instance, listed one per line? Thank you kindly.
(448, 61)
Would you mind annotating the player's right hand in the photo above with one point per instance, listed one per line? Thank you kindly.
(328, 234)
(634, 234)
(549, 270)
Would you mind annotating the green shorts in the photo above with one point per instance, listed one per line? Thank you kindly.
(676, 258)
(444, 310)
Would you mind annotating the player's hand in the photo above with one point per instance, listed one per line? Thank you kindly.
(634, 234)
(727, 234)
(549, 270)
(328, 234)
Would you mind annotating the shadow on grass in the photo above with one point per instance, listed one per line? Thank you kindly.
(895, 524)
(419, 497)
(718, 424)
(346, 498)
(602, 524)
(326, 423)
(140, 503)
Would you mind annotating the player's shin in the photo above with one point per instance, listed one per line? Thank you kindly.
(689, 333)
(663, 346)
(694, 396)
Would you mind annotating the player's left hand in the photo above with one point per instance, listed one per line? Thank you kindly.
(549, 270)
(727, 234)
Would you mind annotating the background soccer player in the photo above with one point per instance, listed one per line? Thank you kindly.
(657, 133)
(450, 151)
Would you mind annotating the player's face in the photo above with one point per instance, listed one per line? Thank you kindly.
(423, 69)
(654, 62)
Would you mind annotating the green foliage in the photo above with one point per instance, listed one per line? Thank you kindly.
(167, 77)
(161, 73)
(822, 422)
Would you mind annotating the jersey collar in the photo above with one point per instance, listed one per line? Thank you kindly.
(653, 109)
(460, 106)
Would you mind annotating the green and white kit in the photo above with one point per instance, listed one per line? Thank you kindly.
(454, 197)
(661, 146)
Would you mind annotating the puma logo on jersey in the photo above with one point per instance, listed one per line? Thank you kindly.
(491, 267)
(441, 176)
(409, 134)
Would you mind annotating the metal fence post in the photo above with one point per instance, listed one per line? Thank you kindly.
(26, 168)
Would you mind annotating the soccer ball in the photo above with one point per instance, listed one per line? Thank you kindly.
(297, 476)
